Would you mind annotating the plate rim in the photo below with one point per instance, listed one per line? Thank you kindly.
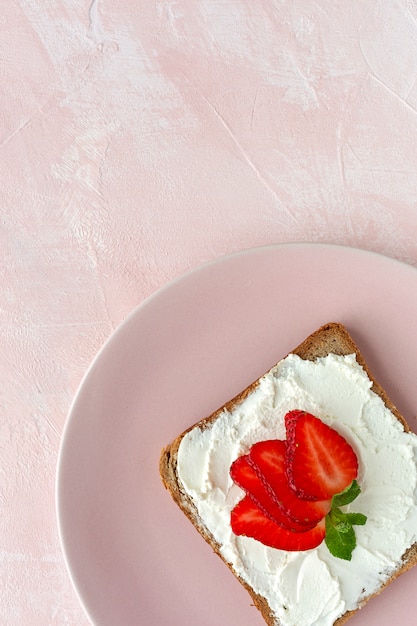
(147, 301)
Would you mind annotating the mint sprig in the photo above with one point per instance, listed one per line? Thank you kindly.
(340, 536)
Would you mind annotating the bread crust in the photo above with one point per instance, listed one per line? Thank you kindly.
(331, 338)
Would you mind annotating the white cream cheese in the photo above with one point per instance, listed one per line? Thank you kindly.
(311, 588)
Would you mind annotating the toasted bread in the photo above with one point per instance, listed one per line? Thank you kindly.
(330, 339)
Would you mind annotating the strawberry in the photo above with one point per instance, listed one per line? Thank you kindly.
(295, 488)
(248, 520)
(247, 476)
(269, 457)
(320, 462)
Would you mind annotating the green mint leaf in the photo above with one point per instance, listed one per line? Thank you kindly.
(356, 519)
(339, 520)
(339, 544)
(346, 496)
(343, 527)
(336, 515)
(340, 536)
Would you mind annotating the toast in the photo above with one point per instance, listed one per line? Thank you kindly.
(330, 344)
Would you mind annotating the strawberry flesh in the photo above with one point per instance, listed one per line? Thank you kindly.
(249, 478)
(319, 461)
(248, 520)
(269, 458)
(289, 484)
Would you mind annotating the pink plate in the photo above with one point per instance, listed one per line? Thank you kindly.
(132, 555)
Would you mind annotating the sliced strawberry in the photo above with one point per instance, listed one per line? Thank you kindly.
(246, 476)
(248, 520)
(320, 462)
(269, 457)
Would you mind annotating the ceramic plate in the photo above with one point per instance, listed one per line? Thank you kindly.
(132, 555)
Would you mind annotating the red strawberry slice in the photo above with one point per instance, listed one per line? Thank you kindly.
(246, 476)
(269, 457)
(320, 462)
(248, 520)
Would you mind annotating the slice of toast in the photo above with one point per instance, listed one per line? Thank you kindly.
(330, 339)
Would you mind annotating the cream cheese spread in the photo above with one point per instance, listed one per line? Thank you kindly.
(310, 588)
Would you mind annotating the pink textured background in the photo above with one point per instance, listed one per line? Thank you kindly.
(141, 139)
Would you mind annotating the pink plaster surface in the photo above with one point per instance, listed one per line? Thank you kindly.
(141, 139)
